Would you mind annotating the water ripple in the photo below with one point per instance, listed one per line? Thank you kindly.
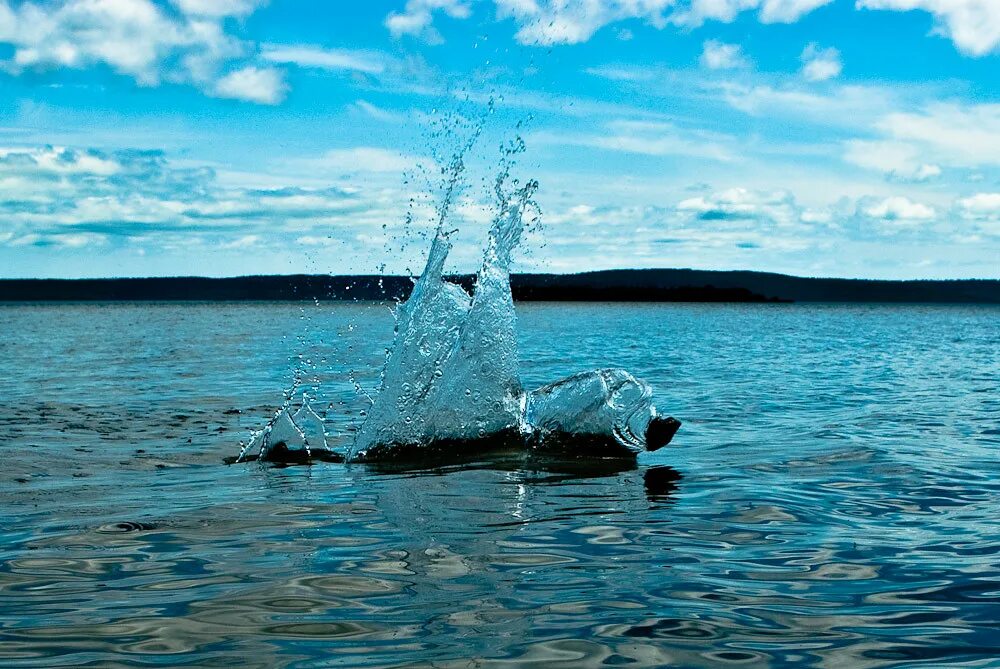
(829, 502)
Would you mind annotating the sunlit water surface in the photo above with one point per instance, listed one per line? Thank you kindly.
(837, 504)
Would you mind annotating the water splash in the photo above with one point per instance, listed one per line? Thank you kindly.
(451, 381)
(298, 434)
(452, 373)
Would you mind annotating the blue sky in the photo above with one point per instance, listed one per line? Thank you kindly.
(227, 137)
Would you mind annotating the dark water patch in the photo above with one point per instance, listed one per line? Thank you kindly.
(127, 526)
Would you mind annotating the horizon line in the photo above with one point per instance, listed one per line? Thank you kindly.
(469, 274)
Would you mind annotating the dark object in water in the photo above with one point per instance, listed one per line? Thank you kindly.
(445, 450)
(562, 445)
(660, 432)
(572, 445)
(660, 483)
(557, 444)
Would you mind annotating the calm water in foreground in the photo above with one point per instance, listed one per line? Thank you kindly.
(836, 506)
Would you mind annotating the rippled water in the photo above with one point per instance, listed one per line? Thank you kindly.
(830, 501)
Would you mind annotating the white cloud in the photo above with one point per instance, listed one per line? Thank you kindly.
(244, 242)
(788, 11)
(981, 207)
(963, 135)
(135, 38)
(820, 64)
(65, 241)
(305, 55)
(253, 84)
(417, 17)
(696, 12)
(924, 172)
(65, 199)
(717, 55)
(842, 105)
(544, 22)
(664, 139)
(742, 204)
(880, 155)
(217, 8)
(897, 208)
(898, 160)
(915, 146)
(69, 198)
(973, 25)
(982, 212)
(58, 161)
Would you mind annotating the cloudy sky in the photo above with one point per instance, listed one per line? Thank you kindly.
(854, 138)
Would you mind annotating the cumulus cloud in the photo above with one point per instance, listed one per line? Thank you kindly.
(742, 204)
(982, 210)
(820, 64)
(136, 38)
(716, 55)
(973, 25)
(898, 209)
(986, 205)
(264, 85)
(417, 17)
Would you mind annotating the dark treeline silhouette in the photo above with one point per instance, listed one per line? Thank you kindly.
(646, 285)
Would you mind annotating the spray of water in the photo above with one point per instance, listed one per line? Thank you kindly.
(452, 374)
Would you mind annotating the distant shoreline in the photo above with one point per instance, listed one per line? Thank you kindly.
(644, 285)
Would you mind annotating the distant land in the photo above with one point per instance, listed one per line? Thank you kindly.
(639, 285)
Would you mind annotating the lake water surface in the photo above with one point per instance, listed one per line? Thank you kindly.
(831, 499)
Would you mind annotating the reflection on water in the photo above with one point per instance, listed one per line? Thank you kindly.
(831, 500)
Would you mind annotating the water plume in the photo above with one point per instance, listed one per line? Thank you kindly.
(452, 372)
(450, 383)
(298, 434)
